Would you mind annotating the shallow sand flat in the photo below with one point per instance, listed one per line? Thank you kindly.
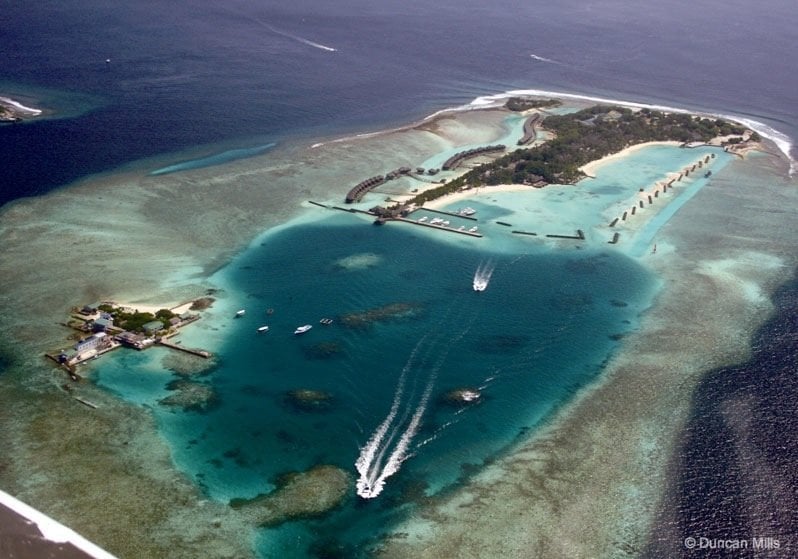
(135, 238)
(588, 484)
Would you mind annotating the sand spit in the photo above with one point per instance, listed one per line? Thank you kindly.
(589, 483)
(140, 239)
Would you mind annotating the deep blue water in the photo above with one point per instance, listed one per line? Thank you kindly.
(199, 73)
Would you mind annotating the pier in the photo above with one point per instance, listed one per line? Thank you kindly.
(360, 189)
(530, 233)
(198, 352)
(580, 236)
(458, 158)
(530, 130)
(452, 214)
(439, 227)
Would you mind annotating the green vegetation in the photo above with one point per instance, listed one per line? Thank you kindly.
(135, 321)
(582, 137)
(520, 104)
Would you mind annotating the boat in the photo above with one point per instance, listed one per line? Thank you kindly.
(467, 211)
(422, 219)
(473, 229)
(303, 329)
(436, 221)
(241, 312)
(263, 329)
(326, 321)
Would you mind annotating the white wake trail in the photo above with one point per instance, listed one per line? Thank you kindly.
(543, 59)
(296, 37)
(372, 476)
(364, 462)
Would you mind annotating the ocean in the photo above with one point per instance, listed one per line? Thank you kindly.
(153, 90)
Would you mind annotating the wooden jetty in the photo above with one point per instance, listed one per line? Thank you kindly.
(458, 158)
(198, 352)
(530, 233)
(530, 130)
(452, 214)
(580, 236)
(439, 227)
(359, 190)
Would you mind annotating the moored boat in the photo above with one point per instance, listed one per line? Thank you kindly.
(303, 329)
(240, 313)
(263, 329)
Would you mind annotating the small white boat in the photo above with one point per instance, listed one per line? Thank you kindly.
(467, 211)
(473, 229)
(303, 329)
(422, 219)
(242, 312)
(263, 329)
(436, 221)
(445, 223)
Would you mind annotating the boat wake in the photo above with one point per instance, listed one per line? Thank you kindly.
(389, 445)
(543, 59)
(482, 275)
(297, 38)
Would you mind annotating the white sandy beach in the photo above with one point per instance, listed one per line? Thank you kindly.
(591, 168)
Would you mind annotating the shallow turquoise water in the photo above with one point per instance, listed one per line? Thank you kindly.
(543, 328)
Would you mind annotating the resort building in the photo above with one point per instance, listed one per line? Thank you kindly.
(95, 341)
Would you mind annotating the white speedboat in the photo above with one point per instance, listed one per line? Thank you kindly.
(467, 211)
(242, 312)
(303, 329)
(422, 219)
(263, 329)
(473, 229)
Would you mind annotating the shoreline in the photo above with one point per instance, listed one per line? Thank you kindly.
(590, 169)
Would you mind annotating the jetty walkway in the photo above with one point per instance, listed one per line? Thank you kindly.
(530, 129)
(458, 158)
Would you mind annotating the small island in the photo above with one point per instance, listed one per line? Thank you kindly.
(105, 326)
(14, 111)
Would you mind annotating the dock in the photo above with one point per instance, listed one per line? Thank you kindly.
(198, 352)
(439, 227)
(580, 236)
(452, 214)
(530, 233)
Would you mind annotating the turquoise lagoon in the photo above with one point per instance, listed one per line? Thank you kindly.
(552, 314)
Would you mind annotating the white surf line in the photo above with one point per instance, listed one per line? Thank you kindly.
(784, 142)
(20, 107)
(52, 530)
